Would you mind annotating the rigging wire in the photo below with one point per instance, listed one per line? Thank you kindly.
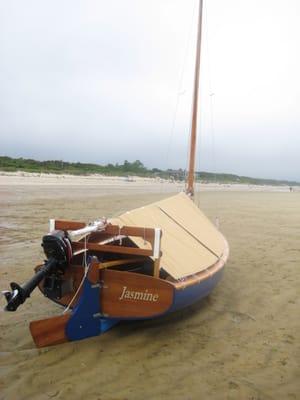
(211, 115)
(211, 104)
(180, 90)
(188, 148)
(212, 127)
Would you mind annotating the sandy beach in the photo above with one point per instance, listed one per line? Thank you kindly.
(242, 342)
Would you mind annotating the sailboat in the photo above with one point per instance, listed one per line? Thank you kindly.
(144, 264)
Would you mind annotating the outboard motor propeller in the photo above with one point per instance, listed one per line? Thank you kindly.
(58, 250)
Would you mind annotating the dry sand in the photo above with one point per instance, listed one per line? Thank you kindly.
(242, 342)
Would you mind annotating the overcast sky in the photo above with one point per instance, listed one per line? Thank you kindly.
(104, 81)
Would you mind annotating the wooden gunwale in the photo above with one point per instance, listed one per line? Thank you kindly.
(203, 275)
(178, 285)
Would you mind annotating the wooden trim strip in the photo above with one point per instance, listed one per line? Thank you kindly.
(50, 331)
(93, 273)
(68, 225)
(145, 233)
(112, 249)
(116, 263)
(203, 275)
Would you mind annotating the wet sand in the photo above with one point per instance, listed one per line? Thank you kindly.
(242, 342)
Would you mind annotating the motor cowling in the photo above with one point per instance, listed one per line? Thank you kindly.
(57, 246)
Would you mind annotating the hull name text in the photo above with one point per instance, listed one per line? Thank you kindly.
(133, 295)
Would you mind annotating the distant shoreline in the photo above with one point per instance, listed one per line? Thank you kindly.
(131, 182)
(128, 171)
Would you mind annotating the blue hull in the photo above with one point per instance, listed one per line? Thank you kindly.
(86, 320)
(189, 295)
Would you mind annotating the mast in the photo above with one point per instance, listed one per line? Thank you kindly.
(191, 172)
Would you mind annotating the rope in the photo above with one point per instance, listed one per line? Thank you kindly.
(86, 269)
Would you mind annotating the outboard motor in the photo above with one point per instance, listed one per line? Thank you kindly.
(58, 250)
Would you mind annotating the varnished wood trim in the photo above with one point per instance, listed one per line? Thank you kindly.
(116, 263)
(156, 268)
(68, 225)
(191, 170)
(50, 331)
(145, 233)
(206, 274)
(112, 249)
(116, 304)
(93, 273)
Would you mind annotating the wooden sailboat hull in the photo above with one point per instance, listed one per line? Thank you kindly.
(183, 293)
(131, 296)
(110, 296)
(125, 288)
(200, 285)
(89, 319)
(177, 298)
(193, 293)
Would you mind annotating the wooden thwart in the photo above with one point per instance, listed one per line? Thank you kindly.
(146, 233)
(116, 263)
(150, 235)
(112, 249)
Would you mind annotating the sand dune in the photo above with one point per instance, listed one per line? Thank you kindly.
(242, 342)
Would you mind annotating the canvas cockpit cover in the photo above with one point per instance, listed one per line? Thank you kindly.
(190, 242)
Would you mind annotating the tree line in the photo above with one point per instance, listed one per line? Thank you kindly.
(128, 168)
